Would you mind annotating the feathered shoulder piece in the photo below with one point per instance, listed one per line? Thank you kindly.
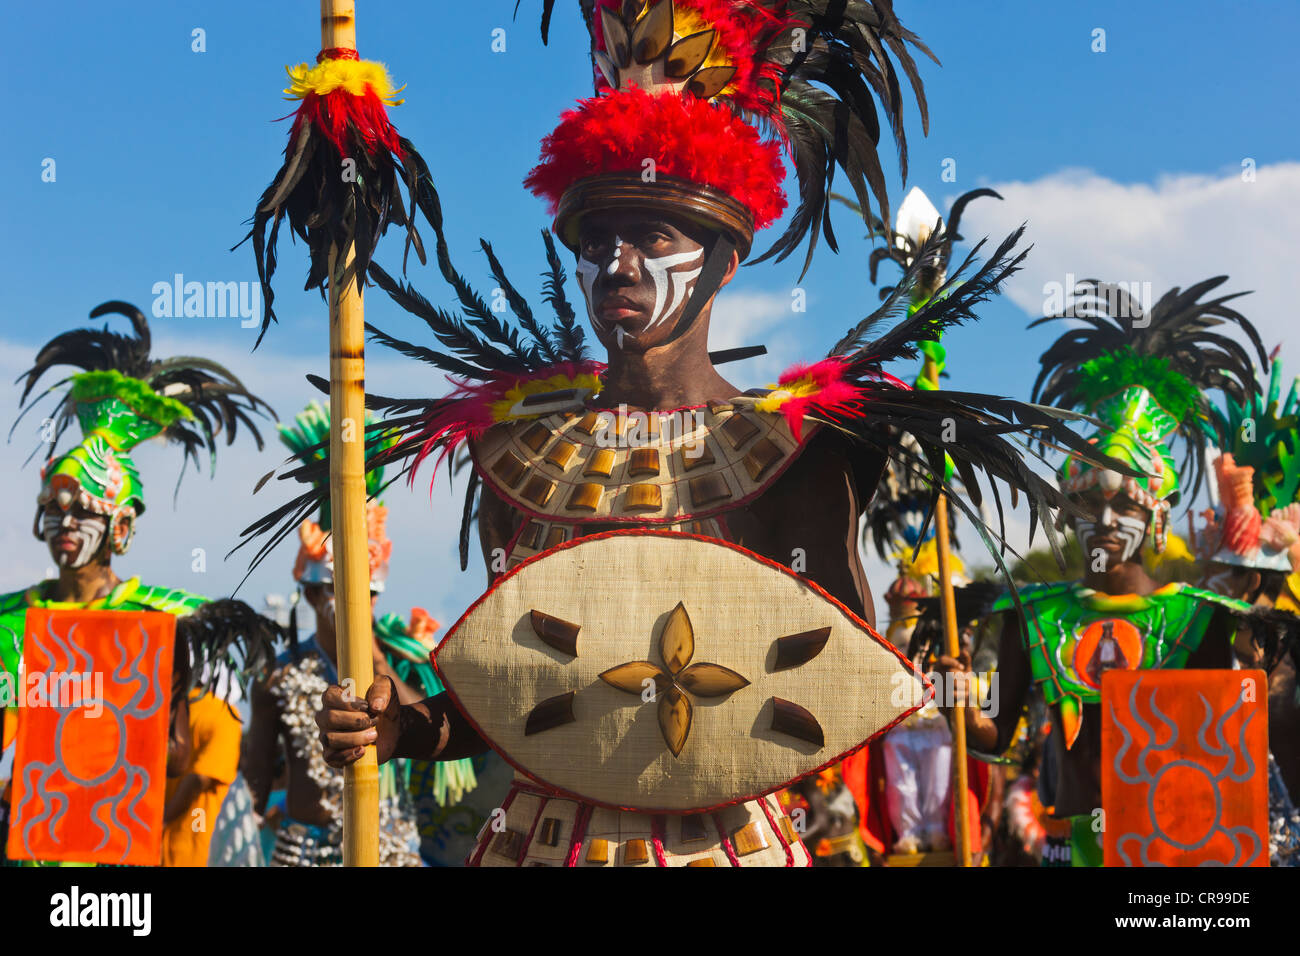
(933, 436)
(1148, 376)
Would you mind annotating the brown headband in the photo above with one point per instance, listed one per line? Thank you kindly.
(703, 204)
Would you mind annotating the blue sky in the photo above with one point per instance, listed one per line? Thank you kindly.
(1126, 164)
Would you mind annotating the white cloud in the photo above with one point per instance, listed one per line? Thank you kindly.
(743, 318)
(1180, 230)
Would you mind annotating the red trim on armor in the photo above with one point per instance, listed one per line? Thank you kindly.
(927, 687)
(580, 821)
(528, 840)
(657, 838)
(789, 855)
(725, 841)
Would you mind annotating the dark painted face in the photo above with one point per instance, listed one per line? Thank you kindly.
(637, 270)
(1115, 525)
(75, 536)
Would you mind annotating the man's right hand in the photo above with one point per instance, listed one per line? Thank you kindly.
(349, 724)
(965, 690)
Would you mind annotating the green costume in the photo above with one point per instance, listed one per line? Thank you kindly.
(122, 397)
(1073, 634)
(1144, 376)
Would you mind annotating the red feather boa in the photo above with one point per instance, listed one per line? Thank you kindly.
(467, 412)
(333, 113)
(836, 397)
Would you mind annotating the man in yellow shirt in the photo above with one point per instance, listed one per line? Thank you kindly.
(194, 798)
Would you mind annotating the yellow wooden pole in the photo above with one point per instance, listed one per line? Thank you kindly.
(948, 604)
(348, 501)
(953, 641)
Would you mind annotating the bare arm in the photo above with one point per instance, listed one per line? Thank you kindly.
(261, 745)
(428, 729)
(993, 732)
(808, 520)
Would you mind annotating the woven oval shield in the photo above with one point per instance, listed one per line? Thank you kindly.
(659, 671)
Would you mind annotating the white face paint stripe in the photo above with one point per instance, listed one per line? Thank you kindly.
(618, 251)
(90, 532)
(658, 269)
(586, 273)
(1131, 531)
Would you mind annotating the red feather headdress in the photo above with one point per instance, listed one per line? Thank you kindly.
(697, 99)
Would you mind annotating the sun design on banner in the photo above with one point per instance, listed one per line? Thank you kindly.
(1180, 788)
(91, 747)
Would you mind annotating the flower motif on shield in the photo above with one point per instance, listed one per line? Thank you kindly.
(677, 680)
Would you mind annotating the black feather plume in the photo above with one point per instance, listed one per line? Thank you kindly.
(214, 395)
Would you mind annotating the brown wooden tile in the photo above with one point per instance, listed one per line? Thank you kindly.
(795, 649)
(643, 461)
(635, 852)
(585, 497)
(561, 454)
(787, 829)
(738, 429)
(642, 497)
(696, 453)
(589, 423)
(559, 634)
(557, 535)
(509, 468)
(789, 718)
(598, 851)
(551, 713)
(509, 844)
(538, 490)
(704, 861)
(600, 464)
(761, 457)
(535, 437)
(531, 536)
(749, 839)
(708, 489)
(719, 407)
(548, 834)
(694, 827)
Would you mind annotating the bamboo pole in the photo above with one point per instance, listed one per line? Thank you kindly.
(348, 502)
(952, 642)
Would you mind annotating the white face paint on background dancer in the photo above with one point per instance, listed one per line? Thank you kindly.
(89, 533)
(1129, 530)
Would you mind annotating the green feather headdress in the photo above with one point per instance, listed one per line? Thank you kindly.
(122, 397)
(1264, 434)
(1147, 375)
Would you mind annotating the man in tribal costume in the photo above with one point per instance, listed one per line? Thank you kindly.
(1145, 376)
(1250, 547)
(284, 707)
(678, 624)
(91, 497)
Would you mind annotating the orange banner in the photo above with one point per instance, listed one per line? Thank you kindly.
(91, 759)
(1184, 768)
